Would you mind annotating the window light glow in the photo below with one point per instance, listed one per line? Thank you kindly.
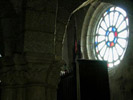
(119, 21)
(123, 34)
(100, 38)
(111, 37)
(103, 25)
(107, 20)
(101, 31)
(103, 50)
(111, 18)
(111, 9)
(122, 26)
(116, 15)
(121, 11)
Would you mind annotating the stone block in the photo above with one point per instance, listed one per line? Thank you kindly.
(40, 21)
(35, 93)
(39, 42)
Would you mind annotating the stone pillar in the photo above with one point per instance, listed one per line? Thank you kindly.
(42, 77)
(34, 75)
(12, 77)
(39, 45)
(35, 78)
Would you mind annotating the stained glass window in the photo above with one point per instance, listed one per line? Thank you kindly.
(111, 36)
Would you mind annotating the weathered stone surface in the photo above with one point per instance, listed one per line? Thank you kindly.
(58, 50)
(40, 21)
(62, 15)
(35, 93)
(39, 42)
(31, 80)
(60, 30)
(43, 5)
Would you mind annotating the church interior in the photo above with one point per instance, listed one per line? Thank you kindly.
(66, 49)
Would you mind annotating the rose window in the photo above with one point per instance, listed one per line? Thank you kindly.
(111, 36)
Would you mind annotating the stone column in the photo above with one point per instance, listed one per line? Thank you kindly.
(35, 78)
(37, 69)
(12, 77)
(42, 77)
(39, 45)
(6, 77)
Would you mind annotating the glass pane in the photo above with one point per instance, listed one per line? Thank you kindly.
(103, 50)
(119, 21)
(122, 26)
(99, 57)
(122, 42)
(111, 9)
(101, 45)
(121, 10)
(110, 29)
(101, 31)
(115, 55)
(101, 38)
(111, 18)
(106, 54)
(103, 25)
(122, 56)
(100, 22)
(111, 36)
(97, 50)
(110, 59)
(123, 34)
(115, 17)
(96, 38)
(107, 20)
(119, 49)
(117, 62)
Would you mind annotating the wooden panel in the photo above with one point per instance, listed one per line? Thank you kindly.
(94, 82)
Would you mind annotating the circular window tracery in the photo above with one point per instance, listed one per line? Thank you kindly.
(111, 36)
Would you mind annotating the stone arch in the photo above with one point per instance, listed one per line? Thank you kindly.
(86, 24)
